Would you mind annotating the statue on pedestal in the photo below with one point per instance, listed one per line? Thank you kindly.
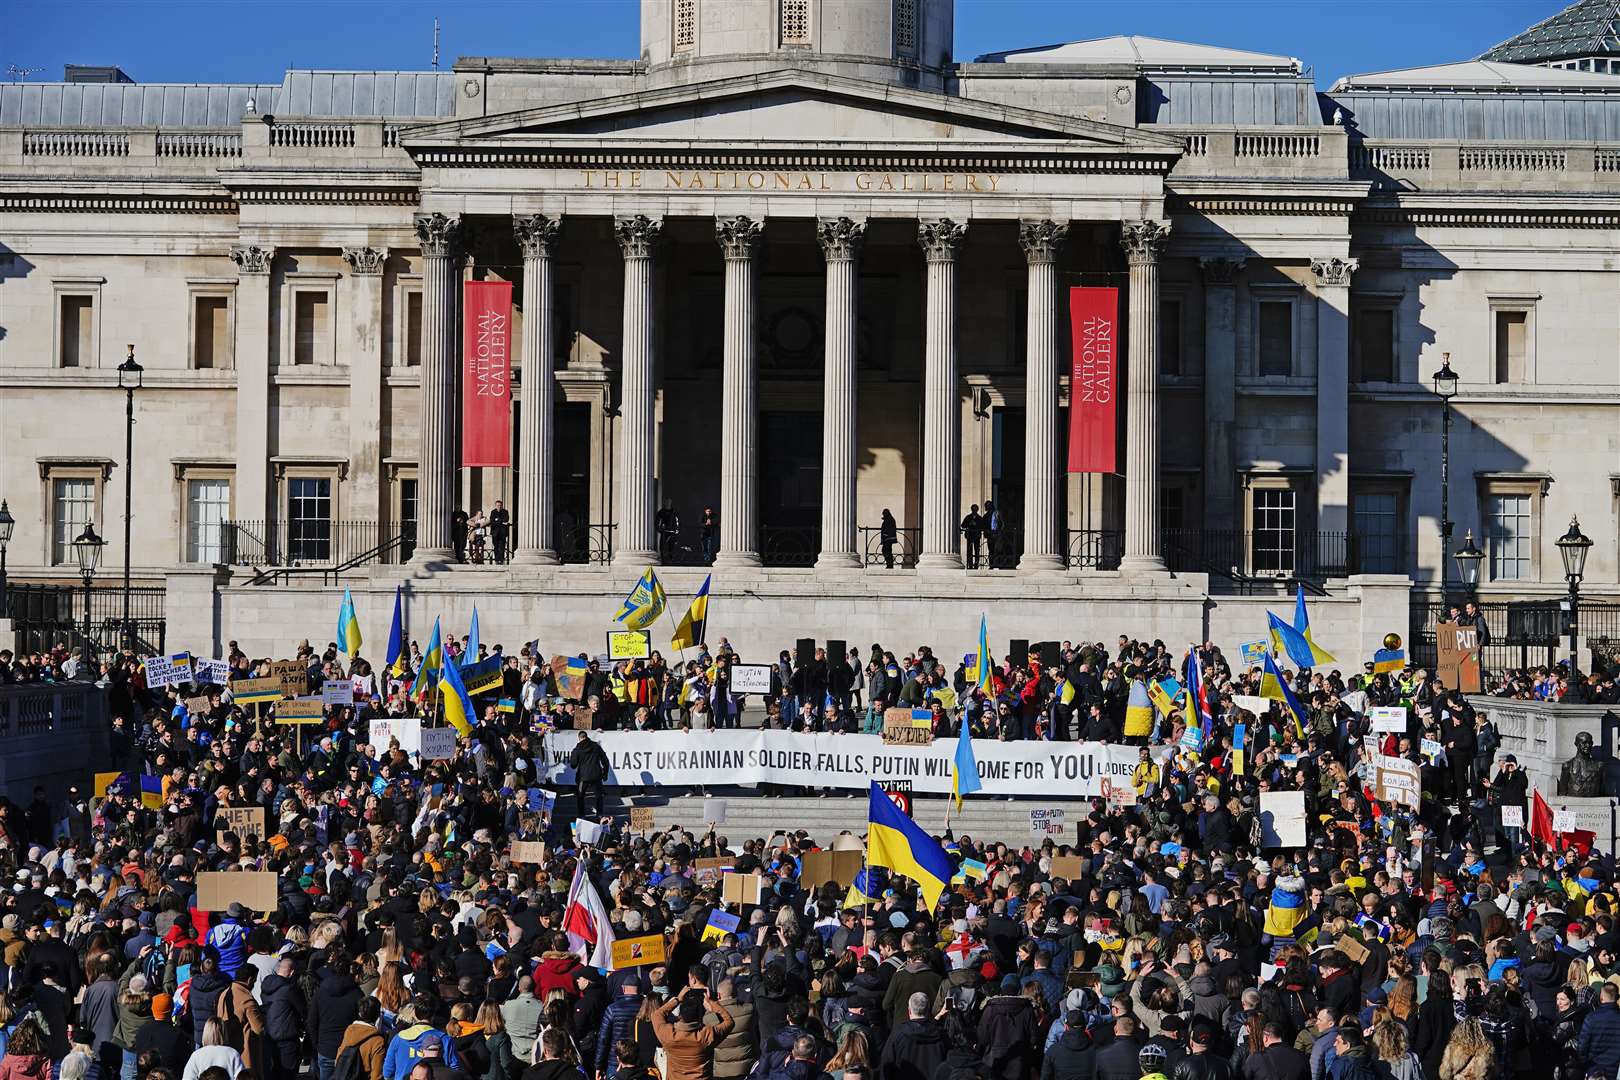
(1582, 775)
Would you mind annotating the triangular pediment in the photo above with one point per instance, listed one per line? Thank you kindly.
(797, 105)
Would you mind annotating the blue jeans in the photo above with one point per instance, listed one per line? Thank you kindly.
(323, 1067)
(128, 1071)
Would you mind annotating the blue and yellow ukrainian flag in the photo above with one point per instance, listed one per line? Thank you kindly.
(1275, 687)
(983, 663)
(1285, 913)
(348, 627)
(644, 604)
(458, 707)
(896, 842)
(506, 705)
(432, 661)
(865, 889)
(1388, 660)
(695, 623)
(151, 791)
(1295, 640)
(256, 697)
(395, 663)
(964, 769)
(1138, 711)
(1302, 623)
(469, 656)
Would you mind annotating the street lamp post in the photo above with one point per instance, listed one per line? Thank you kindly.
(1573, 546)
(1445, 385)
(129, 381)
(7, 523)
(1468, 557)
(87, 550)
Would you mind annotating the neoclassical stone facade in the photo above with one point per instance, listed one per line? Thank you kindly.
(801, 271)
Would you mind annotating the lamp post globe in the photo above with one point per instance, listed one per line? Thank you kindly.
(1573, 547)
(87, 548)
(1445, 387)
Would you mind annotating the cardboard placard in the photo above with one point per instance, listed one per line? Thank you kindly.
(532, 852)
(719, 925)
(256, 691)
(629, 644)
(1512, 817)
(197, 706)
(1355, 950)
(908, 727)
(820, 867)
(750, 678)
(438, 744)
(708, 871)
(210, 672)
(293, 676)
(743, 888)
(104, 781)
(589, 832)
(1397, 780)
(168, 670)
(714, 811)
(1258, 705)
(253, 889)
(244, 821)
(304, 710)
(641, 818)
(637, 951)
(1282, 819)
(570, 682)
(1068, 867)
(337, 692)
(1457, 649)
(1388, 718)
(1254, 652)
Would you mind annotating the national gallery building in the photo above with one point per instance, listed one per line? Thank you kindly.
(792, 294)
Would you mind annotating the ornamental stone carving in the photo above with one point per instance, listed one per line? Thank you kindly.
(536, 234)
(437, 234)
(638, 235)
(941, 238)
(840, 238)
(1042, 240)
(1219, 270)
(1144, 241)
(252, 260)
(367, 261)
(739, 237)
(1334, 271)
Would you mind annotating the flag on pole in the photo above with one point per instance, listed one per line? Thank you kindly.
(983, 662)
(348, 627)
(964, 769)
(896, 842)
(1295, 639)
(644, 604)
(395, 664)
(458, 707)
(1198, 710)
(1541, 820)
(1138, 711)
(695, 623)
(432, 661)
(470, 656)
(585, 921)
(1275, 687)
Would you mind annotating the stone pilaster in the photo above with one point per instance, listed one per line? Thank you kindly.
(537, 239)
(841, 245)
(941, 239)
(1333, 392)
(253, 409)
(363, 495)
(1144, 242)
(1042, 242)
(1220, 391)
(739, 239)
(633, 543)
(438, 236)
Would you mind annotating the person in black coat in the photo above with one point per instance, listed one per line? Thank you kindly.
(1276, 1060)
(590, 764)
(286, 1018)
(1117, 1060)
(1074, 1055)
(160, 1035)
(916, 1047)
(335, 1006)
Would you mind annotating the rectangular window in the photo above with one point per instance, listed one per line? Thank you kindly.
(413, 328)
(78, 330)
(1274, 525)
(73, 504)
(311, 340)
(1507, 525)
(795, 22)
(407, 515)
(1512, 346)
(1276, 337)
(210, 346)
(309, 519)
(905, 26)
(1170, 337)
(1375, 345)
(208, 507)
(685, 30)
(1377, 532)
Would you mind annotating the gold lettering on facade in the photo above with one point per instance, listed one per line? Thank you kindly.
(737, 180)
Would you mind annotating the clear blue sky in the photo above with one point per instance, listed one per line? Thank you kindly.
(256, 40)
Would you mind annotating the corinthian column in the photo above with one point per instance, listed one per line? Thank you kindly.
(739, 238)
(1144, 242)
(942, 421)
(537, 237)
(633, 545)
(841, 244)
(1333, 392)
(1041, 241)
(436, 469)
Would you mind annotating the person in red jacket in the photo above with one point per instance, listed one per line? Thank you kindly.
(557, 970)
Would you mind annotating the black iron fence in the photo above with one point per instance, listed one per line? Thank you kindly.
(46, 616)
(899, 553)
(789, 545)
(1095, 549)
(1262, 553)
(586, 544)
(1523, 633)
(311, 543)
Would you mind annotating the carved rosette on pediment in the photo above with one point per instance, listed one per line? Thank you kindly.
(253, 260)
(1220, 270)
(840, 238)
(536, 234)
(638, 236)
(366, 260)
(1334, 271)
(739, 237)
(941, 239)
(1042, 240)
(1144, 241)
(437, 234)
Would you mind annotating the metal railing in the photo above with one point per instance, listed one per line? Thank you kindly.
(1262, 553)
(586, 544)
(310, 543)
(999, 550)
(1095, 549)
(902, 554)
(46, 616)
(789, 545)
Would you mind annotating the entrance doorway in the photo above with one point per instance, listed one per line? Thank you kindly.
(577, 536)
(1007, 486)
(790, 488)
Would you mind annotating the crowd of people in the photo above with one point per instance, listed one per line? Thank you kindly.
(1400, 942)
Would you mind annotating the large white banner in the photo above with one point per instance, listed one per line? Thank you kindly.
(844, 761)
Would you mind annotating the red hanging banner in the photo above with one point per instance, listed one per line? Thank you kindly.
(1094, 381)
(486, 368)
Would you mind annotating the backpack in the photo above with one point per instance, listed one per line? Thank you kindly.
(349, 1065)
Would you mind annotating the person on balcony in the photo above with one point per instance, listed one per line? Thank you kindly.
(667, 523)
(972, 529)
(500, 531)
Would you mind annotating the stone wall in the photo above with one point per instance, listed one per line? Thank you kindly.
(54, 735)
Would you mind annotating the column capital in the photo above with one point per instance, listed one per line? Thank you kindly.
(840, 238)
(1042, 240)
(638, 235)
(536, 234)
(739, 236)
(1144, 241)
(366, 261)
(437, 233)
(1220, 270)
(941, 238)
(252, 260)
(1334, 271)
